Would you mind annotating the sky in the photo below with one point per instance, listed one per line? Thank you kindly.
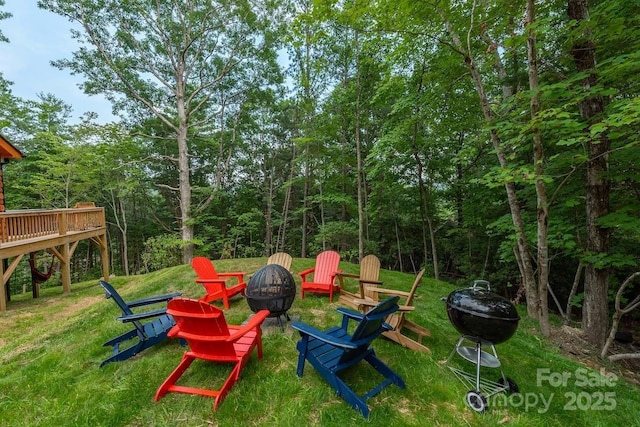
(37, 37)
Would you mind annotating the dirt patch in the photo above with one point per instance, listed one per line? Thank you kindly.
(573, 344)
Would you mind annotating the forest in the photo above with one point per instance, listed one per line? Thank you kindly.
(477, 139)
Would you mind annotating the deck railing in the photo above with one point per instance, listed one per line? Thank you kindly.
(21, 225)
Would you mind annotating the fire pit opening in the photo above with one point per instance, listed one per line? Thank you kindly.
(271, 288)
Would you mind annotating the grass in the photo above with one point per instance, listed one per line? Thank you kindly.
(51, 348)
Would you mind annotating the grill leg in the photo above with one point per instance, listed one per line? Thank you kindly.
(478, 357)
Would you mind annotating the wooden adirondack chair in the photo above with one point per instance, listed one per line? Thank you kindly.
(280, 258)
(216, 284)
(398, 320)
(324, 275)
(148, 333)
(209, 337)
(367, 282)
(334, 350)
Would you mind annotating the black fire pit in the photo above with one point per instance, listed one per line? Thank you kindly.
(271, 288)
(484, 318)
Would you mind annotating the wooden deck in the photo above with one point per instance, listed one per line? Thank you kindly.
(57, 230)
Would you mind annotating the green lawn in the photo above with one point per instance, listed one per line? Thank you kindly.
(51, 349)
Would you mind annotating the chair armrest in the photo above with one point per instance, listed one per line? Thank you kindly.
(239, 274)
(219, 281)
(392, 292)
(340, 275)
(372, 282)
(253, 323)
(305, 329)
(371, 303)
(141, 316)
(153, 300)
(350, 275)
(347, 315)
(352, 314)
(304, 273)
(175, 332)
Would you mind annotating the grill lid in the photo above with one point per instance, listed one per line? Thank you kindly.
(481, 314)
(482, 303)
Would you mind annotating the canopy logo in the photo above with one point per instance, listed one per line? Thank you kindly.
(595, 396)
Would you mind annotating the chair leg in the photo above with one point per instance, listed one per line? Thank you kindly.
(228, 384)
(386, 372)
(405, 341)
(302, 350)
(115, 342)
(351, 397)
(259, 341)
(125, 354)
(177, 373)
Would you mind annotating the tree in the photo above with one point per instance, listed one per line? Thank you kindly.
(181, 62)
(595, 313)
(3, 15)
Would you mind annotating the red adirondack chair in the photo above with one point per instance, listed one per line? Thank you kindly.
(216, 283)
(209, 337)
(324, 275)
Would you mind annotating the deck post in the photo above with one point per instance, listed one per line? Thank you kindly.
(105, 257)
(65, 269)
(3, 289)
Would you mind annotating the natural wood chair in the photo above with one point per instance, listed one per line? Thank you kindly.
(215, 284)
(324, 275)
(367, 283)
(398, 320)
(281, 258)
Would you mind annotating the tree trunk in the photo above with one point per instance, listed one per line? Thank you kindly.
(359, 168)
(523, 256)
(268, 214)
(595, 310)
(186, 223)
(424, 193)
(541, 190)
(282, 231)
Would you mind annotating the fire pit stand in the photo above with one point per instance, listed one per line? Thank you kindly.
(483, 319)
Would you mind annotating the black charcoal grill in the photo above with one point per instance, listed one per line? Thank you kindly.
(484, 319)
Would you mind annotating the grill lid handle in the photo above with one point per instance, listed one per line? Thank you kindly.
(482, 284)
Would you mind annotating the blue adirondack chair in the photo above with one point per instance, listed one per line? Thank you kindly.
(148, 333)
(334, 350)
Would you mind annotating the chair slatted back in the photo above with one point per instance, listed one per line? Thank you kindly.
(110, 292)
(196, 321)
(204, 268)
(370, 327)
(369, 274)
(280, 258)
(412, 292)
(327, 263)
(396, 319)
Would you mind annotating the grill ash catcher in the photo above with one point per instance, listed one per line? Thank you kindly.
(483, 318)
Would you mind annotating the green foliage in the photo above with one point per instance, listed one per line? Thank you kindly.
(264, 160)
(162, 252)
